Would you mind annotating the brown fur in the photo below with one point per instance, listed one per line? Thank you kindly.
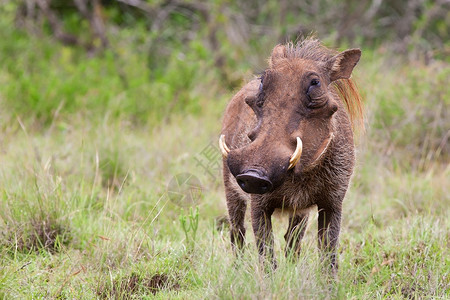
(261, 124)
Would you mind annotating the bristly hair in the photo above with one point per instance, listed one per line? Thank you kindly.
(348, 92)
(311, 48)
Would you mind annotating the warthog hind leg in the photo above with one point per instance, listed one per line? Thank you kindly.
(295, 233)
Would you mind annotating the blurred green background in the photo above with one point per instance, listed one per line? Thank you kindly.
(104, 102)
(146, 60)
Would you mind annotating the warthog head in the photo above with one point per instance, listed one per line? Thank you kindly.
(294, 107)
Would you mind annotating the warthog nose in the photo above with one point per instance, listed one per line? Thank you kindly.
(253, 182)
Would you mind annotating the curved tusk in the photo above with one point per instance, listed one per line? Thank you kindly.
(223, 146)
(297, 154)
(324, 147)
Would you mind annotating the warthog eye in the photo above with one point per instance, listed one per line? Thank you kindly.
(315, 95)
(315, 83)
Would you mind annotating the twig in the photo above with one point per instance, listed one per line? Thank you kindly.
(22, 267)
(55, 24)
(138, 4)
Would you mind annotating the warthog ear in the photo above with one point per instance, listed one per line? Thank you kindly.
(278, 52)
(341, 65)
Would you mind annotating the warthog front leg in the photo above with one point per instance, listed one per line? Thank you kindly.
(262, 228)
(237, 206)
(295, 233)
(329, 224)
(236, 211)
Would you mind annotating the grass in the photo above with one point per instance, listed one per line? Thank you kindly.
(85, 211)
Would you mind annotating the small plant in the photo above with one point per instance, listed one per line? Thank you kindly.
(189, 223)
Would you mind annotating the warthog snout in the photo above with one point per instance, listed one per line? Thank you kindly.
(254, 182)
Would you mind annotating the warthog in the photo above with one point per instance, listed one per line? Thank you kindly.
(287, 144)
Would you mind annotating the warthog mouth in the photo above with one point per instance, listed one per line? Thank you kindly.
(292, 161)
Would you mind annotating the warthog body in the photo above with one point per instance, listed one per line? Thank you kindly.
(287, 143)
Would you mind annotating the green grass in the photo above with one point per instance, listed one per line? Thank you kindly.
(85, 164)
